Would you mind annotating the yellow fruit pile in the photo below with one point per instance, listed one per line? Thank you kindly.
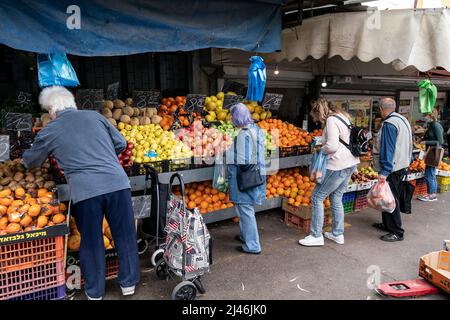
(443, 166)
(73, 243)
(257, 111)
(214, 107)
(22, 212)
(292, 185)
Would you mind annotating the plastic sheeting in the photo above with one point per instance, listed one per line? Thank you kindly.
(135, 26)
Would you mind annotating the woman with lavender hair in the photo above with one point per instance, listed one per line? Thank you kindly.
(248, 148)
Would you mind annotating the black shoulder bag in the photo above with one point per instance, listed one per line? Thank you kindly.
(249, 175)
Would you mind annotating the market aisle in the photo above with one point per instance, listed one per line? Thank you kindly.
(286, 270)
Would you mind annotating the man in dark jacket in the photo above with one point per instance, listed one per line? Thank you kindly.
(86, 146)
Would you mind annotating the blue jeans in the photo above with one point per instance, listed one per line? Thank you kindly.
(333, 185)
(430, 177)
(88, 215)
(248, 227)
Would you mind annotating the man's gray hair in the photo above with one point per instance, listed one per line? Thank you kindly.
(57, 98)
(388, 104)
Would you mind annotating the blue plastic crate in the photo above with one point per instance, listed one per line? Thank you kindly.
(56, 293)
(348, 197)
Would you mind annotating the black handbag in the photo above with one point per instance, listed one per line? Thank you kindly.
(249, 175)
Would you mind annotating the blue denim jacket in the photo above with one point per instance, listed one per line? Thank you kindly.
(242, 151)
(85, 146)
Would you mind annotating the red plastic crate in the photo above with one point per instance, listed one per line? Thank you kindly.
(302, 224)
(361, 200)
(421, 187)
(56, 293)
(31, 280)
(23, 255)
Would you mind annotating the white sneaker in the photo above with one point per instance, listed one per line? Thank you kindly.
(338, 239)
(89, 298)
(311, 241)
(128, 291)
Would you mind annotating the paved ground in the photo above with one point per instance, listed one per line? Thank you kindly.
(286, 270)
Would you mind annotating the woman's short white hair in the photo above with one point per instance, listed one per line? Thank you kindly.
(57, 98)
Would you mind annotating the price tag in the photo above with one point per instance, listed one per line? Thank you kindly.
(18, 121)
(23, 99)
(272, 101)
(233, 86)
(144, 99)
(89, 99)
(194, 102)
(4, 147)
(421, 155)
(229, 100)
(112, 91)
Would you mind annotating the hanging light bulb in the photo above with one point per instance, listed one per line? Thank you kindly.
(324, 83)
(276, 72)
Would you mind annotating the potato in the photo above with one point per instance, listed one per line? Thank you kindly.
(6, 181)
(129, 111)
(49, 185)
(116, 114)
(30, 186)
(108, 104)
(8, 172)
(112, 121)
(119, 104)
(145, 120)
(29, 178)
(18, 176)
(125, 119)
(134, 121)
(129, 101)
(38, 173)
(106, 112)
(137, 112)
(40, 184)
(156, 119)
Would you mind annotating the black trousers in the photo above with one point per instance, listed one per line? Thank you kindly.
(393, 221)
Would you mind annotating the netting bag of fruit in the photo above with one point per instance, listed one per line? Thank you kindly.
(318, 167)
(220, 181)
(380, 197)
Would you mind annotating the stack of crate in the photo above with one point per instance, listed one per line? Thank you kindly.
(348, 201)
(443, 184)
(421, 187)
(361, 200)
(34, 269)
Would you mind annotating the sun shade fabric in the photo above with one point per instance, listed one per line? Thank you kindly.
(128, 27)
(419, 38)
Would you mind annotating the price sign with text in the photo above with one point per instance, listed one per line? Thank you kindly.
(229, 100)
(89, 99)
(144, 99)
(18, 121)
(195, 102)
(272, 101)
(23, 99)
(112, 91)
(4, 147)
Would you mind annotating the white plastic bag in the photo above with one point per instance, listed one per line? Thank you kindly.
(380, 197)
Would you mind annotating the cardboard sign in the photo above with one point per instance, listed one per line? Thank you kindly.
(229, 100)
(23, 99)
(272, 101)
(47, 232)
(144, 99)
(18, 121)
(233, 86)
(195, 102)
(112, 91)
(4, 147)
(89, 99)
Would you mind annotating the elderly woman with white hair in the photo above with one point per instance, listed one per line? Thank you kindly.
(86, 146)
(248, 149)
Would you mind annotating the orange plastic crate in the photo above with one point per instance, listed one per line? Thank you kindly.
(23, 255)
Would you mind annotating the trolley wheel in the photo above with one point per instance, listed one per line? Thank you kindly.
(161, 269)
(142, 246)
(198, 284)
(185, 290)
(156, 256)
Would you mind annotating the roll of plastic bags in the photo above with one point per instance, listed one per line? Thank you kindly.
(256, 79)
(318, 166)
(56, 70)
(380, 198)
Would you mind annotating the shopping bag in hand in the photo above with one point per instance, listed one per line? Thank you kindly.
(380, 197)
(318, 167)
(220, 181)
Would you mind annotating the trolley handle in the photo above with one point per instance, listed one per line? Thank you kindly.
(180, 179)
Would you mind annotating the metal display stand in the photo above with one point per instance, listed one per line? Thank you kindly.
(138, 183)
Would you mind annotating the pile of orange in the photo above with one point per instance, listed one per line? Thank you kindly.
(443, 166)
(203, 196)
(293, 186)
(317, 133)
(285, 134)
(417, 166)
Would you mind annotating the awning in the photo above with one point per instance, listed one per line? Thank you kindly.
(111, 27)
(419, 38)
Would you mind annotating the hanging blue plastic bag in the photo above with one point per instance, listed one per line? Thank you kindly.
(256, 79)
(318, 167)
(56, 70)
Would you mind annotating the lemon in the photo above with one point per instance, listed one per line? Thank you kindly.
(220, 95)
(128, 127)
(121, 126)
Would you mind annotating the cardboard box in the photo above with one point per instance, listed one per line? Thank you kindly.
(435, 268)
(447, 245)
(303, 212)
